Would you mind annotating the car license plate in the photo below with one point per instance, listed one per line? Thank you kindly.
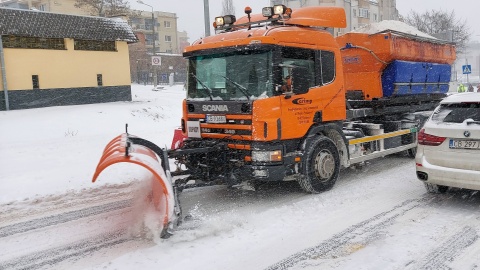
(464, 144)
(216, 119)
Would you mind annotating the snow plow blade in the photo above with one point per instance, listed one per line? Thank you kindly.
(131, 149)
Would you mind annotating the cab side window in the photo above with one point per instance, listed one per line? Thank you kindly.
(298, 65)
(327, 67)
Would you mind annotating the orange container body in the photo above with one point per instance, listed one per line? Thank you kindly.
(369, 54)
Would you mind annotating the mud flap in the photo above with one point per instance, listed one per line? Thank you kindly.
(122, 149)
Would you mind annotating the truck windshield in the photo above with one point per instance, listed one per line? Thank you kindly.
(230, 76)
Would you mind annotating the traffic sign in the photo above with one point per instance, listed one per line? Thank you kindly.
(156, 61)
(467, 69)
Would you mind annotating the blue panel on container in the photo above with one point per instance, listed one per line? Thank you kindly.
(416, 76)
(438, 73)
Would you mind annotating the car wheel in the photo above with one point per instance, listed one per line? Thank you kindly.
(321, 167)
(432, 188)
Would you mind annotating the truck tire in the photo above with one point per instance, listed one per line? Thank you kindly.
(412, 152)
(432, 188)
(320, 167)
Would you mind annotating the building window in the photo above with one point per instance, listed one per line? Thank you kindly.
(168, 38)
(33, 43)
(375, 17)
(149, 24)
(43, 7)
(135, 21)
(99, 79)
(354, 13)
(94, 45)
(166, 24)
(35, 82)
(363, 13)
(149, 40)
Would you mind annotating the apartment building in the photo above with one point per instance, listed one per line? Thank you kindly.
(358, 12)
(163, 29)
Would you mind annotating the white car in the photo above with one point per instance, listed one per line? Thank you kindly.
(448, 151)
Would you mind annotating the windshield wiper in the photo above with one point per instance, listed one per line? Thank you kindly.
(239, 86)
(204, 86)
(473, 122)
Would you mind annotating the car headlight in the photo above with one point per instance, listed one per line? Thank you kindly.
(267, 156)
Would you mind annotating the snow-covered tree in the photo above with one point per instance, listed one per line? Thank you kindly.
(104, 8)
(437, 21)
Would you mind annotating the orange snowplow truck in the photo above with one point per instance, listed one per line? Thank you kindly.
(276, 97)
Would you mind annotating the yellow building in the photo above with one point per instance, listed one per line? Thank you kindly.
(53, 59)
(164, 40)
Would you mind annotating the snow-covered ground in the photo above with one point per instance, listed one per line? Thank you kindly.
(53, 217)
(51, 150)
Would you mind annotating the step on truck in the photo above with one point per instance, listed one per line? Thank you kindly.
(276, 97)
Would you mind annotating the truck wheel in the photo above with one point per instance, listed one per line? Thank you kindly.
(432, 188)
(412, 152)
(320, 167)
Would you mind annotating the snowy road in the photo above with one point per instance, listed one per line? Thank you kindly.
(378, 217)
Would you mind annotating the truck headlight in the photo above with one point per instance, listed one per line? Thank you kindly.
(267, 156)
(267, 12)
(279, 9)
(219, 21)
(225, 20)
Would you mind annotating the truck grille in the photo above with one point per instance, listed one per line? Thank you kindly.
(236, 127)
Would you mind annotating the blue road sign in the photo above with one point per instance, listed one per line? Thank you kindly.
(467, 69)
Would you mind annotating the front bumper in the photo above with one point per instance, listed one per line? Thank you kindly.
(268, 173)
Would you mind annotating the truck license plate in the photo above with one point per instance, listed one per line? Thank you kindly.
(216, 119)
(464, 144)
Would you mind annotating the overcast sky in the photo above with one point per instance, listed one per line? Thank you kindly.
(190, 12)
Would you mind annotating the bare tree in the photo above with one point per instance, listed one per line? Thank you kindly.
(104, 8)
(228, 8)
(435, 22)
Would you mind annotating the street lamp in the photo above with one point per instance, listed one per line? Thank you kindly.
(153, 42)
(350, 19)
(206, 16)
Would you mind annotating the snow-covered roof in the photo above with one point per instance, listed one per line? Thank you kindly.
(462, 97)
(41, 24)
(392, 25)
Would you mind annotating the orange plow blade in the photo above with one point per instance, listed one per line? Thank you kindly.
(123, 149)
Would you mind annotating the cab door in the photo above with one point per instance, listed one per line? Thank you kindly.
(311, 74)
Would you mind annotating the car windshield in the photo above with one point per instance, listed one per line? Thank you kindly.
(456, 113)
(231, 76)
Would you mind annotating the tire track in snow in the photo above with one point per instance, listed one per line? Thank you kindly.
(37, 206)
(56, 255)
(62, 218)
(360, 233)
(448, 250)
